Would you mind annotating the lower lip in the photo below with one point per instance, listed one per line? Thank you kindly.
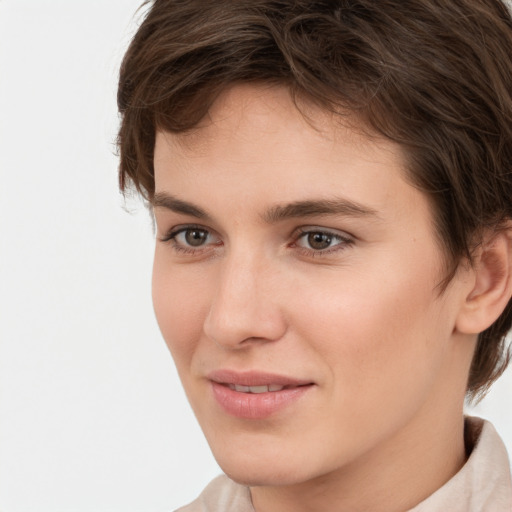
(256, 406)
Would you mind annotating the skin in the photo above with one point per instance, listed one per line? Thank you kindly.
(362, 319)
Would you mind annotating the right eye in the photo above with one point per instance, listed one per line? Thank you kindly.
(191, 239)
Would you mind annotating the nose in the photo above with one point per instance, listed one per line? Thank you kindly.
(245, 308)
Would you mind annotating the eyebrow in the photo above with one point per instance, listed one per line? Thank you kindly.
(163, 200)
(311, 208)
(278, 213)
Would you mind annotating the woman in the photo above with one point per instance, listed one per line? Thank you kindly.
(332, 193)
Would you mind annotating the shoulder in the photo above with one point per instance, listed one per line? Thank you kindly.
(221, 495)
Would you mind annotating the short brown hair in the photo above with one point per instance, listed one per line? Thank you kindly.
(435, 76)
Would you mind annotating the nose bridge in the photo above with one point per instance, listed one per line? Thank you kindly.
(244, 306)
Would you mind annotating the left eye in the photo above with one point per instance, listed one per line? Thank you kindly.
(320, 240)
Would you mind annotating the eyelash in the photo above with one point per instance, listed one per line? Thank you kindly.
(343, 241)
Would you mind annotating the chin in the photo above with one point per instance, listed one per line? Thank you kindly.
(254, 477)
(252, 470)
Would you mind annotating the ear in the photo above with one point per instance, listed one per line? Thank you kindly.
(491, 283)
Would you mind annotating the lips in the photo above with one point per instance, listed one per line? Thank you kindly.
(255, 395)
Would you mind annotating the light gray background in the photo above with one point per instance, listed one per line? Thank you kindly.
(92, 417)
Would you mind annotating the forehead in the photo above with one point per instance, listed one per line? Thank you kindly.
(251, 126)
(258, 109)
(256, 142)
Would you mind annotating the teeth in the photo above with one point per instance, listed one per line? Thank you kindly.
(258, 389)
(255, 389)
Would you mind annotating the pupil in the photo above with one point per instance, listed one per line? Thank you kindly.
(195, 237)
(319, 240)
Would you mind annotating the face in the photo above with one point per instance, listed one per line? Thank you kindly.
(294, 282)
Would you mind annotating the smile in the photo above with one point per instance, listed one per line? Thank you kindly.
(256, 395)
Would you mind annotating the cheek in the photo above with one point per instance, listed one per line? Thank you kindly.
(381, 349)
(376, 331)
(180, 302)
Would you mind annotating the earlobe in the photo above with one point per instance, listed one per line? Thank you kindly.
(491, 284)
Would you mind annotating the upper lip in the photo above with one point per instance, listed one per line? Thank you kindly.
(254, 378)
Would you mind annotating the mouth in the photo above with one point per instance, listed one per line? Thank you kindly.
(256, 395)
